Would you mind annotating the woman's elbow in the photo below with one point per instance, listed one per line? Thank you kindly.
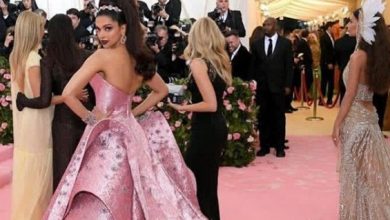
(212, 107)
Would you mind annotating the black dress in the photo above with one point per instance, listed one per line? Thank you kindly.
(208, 138)
(67, 127)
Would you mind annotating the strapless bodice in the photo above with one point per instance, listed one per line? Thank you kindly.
(110, 99)
(363, 92)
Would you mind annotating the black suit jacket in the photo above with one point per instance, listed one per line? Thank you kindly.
(303, 47)
(327, 50)
(344, 47)
(233, 20)
(272, 73)
(241, 63)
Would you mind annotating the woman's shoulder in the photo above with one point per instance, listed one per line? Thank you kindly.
(359, 55)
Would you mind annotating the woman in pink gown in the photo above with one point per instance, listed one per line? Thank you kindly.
(122, 168)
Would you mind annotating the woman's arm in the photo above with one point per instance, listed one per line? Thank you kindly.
(200, 74)
(79, 80)
(159, 91)
(45, 90)
(357, 61)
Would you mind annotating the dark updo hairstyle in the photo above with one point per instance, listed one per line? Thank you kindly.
(145, 64)
(378, 55)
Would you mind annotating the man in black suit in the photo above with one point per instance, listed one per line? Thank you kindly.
(343, 47)
(163, 53)
(227, 19)
(239, 56)
(307, 58)
(166, 12)
(272, 68)
(327, 63)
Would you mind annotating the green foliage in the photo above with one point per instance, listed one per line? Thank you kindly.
(6, 131)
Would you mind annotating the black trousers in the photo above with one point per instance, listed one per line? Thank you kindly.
(380, 102)
(327, 82)
(208, 138)
(271, 120)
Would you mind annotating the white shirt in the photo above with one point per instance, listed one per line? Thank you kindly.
(235, 52)
(274, 39)
(224, 16)
(331, 38)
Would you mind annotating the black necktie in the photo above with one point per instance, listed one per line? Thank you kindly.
(269, 50)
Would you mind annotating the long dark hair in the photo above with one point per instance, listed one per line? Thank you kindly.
(62, 47)
(378, 64)
(135, 44)
(34, 6)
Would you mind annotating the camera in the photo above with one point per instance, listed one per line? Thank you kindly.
(88, 41)
(151, 38)
(156, 8)
(90, 6)
(176, 93)
(217, 17)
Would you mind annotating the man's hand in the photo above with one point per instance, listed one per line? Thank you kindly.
(155, 48)
(163, 14)
(8, 39)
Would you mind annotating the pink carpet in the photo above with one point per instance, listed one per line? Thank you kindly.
(303, 186)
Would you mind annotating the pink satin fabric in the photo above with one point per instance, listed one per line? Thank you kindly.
(125, 169)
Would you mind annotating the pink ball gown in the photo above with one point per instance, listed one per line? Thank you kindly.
(125, 169)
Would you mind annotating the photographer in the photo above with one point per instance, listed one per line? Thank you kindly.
(6, 47)
(80, 33)
(162, 50)
(227, 19)
(179, 43)
(166, 12)
(8, 13)
(87, 15)
(144, 12)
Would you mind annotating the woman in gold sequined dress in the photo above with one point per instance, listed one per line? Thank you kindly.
(365, 154)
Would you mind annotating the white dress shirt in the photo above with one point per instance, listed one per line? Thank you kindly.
(274, 38)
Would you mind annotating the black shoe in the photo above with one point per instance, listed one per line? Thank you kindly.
(286, 147)
(280, 153)
(262, 153)
(285, 141)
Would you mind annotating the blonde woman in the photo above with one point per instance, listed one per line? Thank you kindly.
(32, 164)
(314, 45)
(210, 74)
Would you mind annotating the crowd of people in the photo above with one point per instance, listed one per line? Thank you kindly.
(73, 78)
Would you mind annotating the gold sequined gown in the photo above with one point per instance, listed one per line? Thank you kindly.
(365, 162)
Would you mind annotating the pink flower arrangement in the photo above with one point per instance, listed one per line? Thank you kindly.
(241, 105)
(4, 125)
(177, 124)
(2, 87)
(7, 76)
(230, 90)
(236, 136)
(137, 99)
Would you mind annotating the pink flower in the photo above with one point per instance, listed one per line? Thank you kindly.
(252, 85)
(7, 76)
(167, 115)
(230, 90)
(224, 94)
(2, 71)
(160, 104)
(1, 130)
(236, 136)
(177, 124)
(137, 99)
(189, 116)
(2, 87)
(226, 102)
(250, 139)
(228, 107)
(241, 105)
(173, 128)
(8, 98)
(4, 103)
(229, 137)
(4, 125)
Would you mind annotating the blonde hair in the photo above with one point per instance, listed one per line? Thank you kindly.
(28, 34)
(206, 41)
(314, 45)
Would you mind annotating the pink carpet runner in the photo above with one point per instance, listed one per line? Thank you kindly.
(304, 185)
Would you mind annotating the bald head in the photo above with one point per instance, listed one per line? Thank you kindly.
(269, 26)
